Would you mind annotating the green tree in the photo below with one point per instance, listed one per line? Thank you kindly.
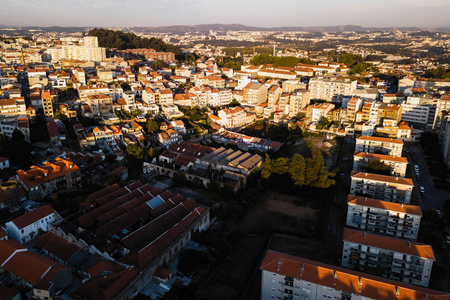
(297, 169)
(160, 64)
(286, 61)
(262, 59)
(152, 126)
(125, 86)
(300, 115)
(378, 167)
(234, 103)
(280, 165)
(152, 152)
(266, 167)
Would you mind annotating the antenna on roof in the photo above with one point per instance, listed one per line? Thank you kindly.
(302, 269)
(280, 261)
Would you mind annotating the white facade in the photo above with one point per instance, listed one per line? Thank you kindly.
(23, 231)
(387, 188)
(398, 165)
(392, 147)
(388, 257)
(415, 113)
(326, 88)
(385, 218)
(289, 277)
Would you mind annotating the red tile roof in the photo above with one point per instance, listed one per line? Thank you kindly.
(369, 202)
(33, 216)
(381, 157)
(104, 266)
(346, 280)
(383, 178)
(29, 266)
(392, 244)
(47, 172)
(57, 246)
(107, 287)
(379, 139)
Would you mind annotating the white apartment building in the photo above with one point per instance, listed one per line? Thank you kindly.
(319, 110)
(107, 134)
(298, 101)
(289, 277)
(442, 104)
(86, 90)
(89, 51)
(254, 94)
(405, 261)
(397, 164)
(276, 74)
(327, 88)
(379, 145)
(233, 117)
(225, 97)
(414, 113)
(385, 218)
(28, 226)
(273, 95)
(11, 108)
(387, 188)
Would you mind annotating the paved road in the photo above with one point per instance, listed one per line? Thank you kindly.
(434, 199)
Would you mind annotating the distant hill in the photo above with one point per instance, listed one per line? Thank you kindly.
(205, 28)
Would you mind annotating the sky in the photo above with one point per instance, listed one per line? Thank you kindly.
(263, 13)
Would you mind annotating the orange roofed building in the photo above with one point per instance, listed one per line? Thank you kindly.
(405, 261)
(60, 175)
(289, 277)
(386, 188)
(382, 217)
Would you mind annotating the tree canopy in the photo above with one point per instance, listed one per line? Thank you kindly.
(309, 172)
(121, 40)
(152, 126)
(378, 167)
(286, 61)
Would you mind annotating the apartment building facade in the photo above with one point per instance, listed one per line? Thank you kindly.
(327, 88)
(289, 277)
(384, 218)
(386, 146)
(397, 165)
(387, 188)
(392, 258)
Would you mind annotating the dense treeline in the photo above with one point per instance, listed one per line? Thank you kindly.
(121, 40)
(285, 61)
(438, 73)
(303, 172)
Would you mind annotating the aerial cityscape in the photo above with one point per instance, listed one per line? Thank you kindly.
(242, 155)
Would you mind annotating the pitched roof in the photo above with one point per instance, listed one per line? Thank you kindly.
(56, 245)
(408, 209)
(362, 284)
(33, 216)
(392, 244)
(381, 157)
(379, 139)
(384, 178)
(47, 172)
(107, 287)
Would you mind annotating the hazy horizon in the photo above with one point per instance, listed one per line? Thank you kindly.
(285, 13)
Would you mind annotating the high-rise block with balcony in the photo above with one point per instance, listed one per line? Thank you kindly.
(382, 187)
(392, 258)
(385, 218)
